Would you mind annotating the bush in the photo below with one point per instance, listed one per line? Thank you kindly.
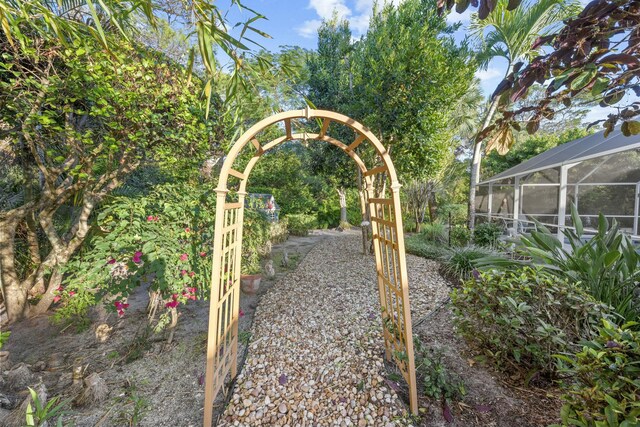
(459, 235)
(458, 263)
(439, 382)
(300, 224)
(523, 317)
(606, 387)
(458, 213)
(487, 234)
(255, 241)
(606, 265)
(417, 245)
(278, 231)
(434, 232)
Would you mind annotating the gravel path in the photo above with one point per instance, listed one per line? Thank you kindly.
(316, 355)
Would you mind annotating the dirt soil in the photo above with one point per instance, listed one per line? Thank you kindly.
(152, 384)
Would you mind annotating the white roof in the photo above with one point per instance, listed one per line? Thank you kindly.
(589, 147)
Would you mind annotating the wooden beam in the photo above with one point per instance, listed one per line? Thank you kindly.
(237, 174)
(357, 142)
(374, 171)
(287, 126)
(325, 126)
(256, 144)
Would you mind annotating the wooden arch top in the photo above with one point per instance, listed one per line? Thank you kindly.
(362, 132)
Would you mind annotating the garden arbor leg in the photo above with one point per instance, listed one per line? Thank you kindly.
(388, 243)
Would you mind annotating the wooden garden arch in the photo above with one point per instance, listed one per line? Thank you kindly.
(386, 223)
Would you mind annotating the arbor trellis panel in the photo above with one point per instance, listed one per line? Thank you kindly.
(388, 244)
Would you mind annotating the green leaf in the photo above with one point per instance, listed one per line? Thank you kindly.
(631, 127)
(583, 79)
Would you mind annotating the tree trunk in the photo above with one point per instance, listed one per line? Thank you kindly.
(47, 299)
(34, 252)
(15, 295)
(343, 205)
(475, 165)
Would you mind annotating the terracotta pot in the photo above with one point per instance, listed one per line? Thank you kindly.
(250, 283)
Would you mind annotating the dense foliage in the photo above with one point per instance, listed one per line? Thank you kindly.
(605, 264)
(603, 386)
(522, 318)
(594, 53)
(76, 124)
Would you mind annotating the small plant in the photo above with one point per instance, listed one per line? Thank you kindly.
(40, 414)
(434, 232)
(459, 235)
(487, 234)
(439, 382)
(458, 263)
(417, 245)
(4, 336)
(133, 408)
(73, 308)
(604, 386)
(521, 318)
(244, 337)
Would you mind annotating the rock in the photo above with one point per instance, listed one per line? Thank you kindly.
(103, 331)
(95, 390)
(20, 377)
(17, 417)
(283, 408)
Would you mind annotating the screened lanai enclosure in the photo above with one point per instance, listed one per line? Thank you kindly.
(598, 174)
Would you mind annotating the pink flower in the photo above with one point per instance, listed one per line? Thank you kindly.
(111, 261)
(137, 257)
(183, 272)
(120, 307)
(193, 273)
(172, 304)
(60, 288)
(203, 254)
(56, 298)
(187, 230)
(184, 257)
(150, 218)
(71, 293)
(241, 313)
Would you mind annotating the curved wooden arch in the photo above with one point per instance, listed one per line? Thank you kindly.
(388, 238)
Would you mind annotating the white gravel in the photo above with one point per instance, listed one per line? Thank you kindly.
(316, 356)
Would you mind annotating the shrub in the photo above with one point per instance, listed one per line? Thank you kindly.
(300, 224)
(434, 232)
(278, 231)
(417, 245)
(523, 317)
(605, 390)
(458, 212)
(459, 235)
(487, 234)
(439, 382)
(255, 241)
(606, 265)
(458, 263)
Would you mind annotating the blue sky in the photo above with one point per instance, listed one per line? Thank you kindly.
(295, 23)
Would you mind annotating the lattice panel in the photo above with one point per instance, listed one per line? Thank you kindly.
(226, 304)
(391, 272)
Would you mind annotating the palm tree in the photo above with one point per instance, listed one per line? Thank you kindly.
(510, 35)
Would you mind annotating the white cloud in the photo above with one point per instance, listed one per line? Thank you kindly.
(325, 8)
(309, 29)
(358, 15)
(488, 74)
